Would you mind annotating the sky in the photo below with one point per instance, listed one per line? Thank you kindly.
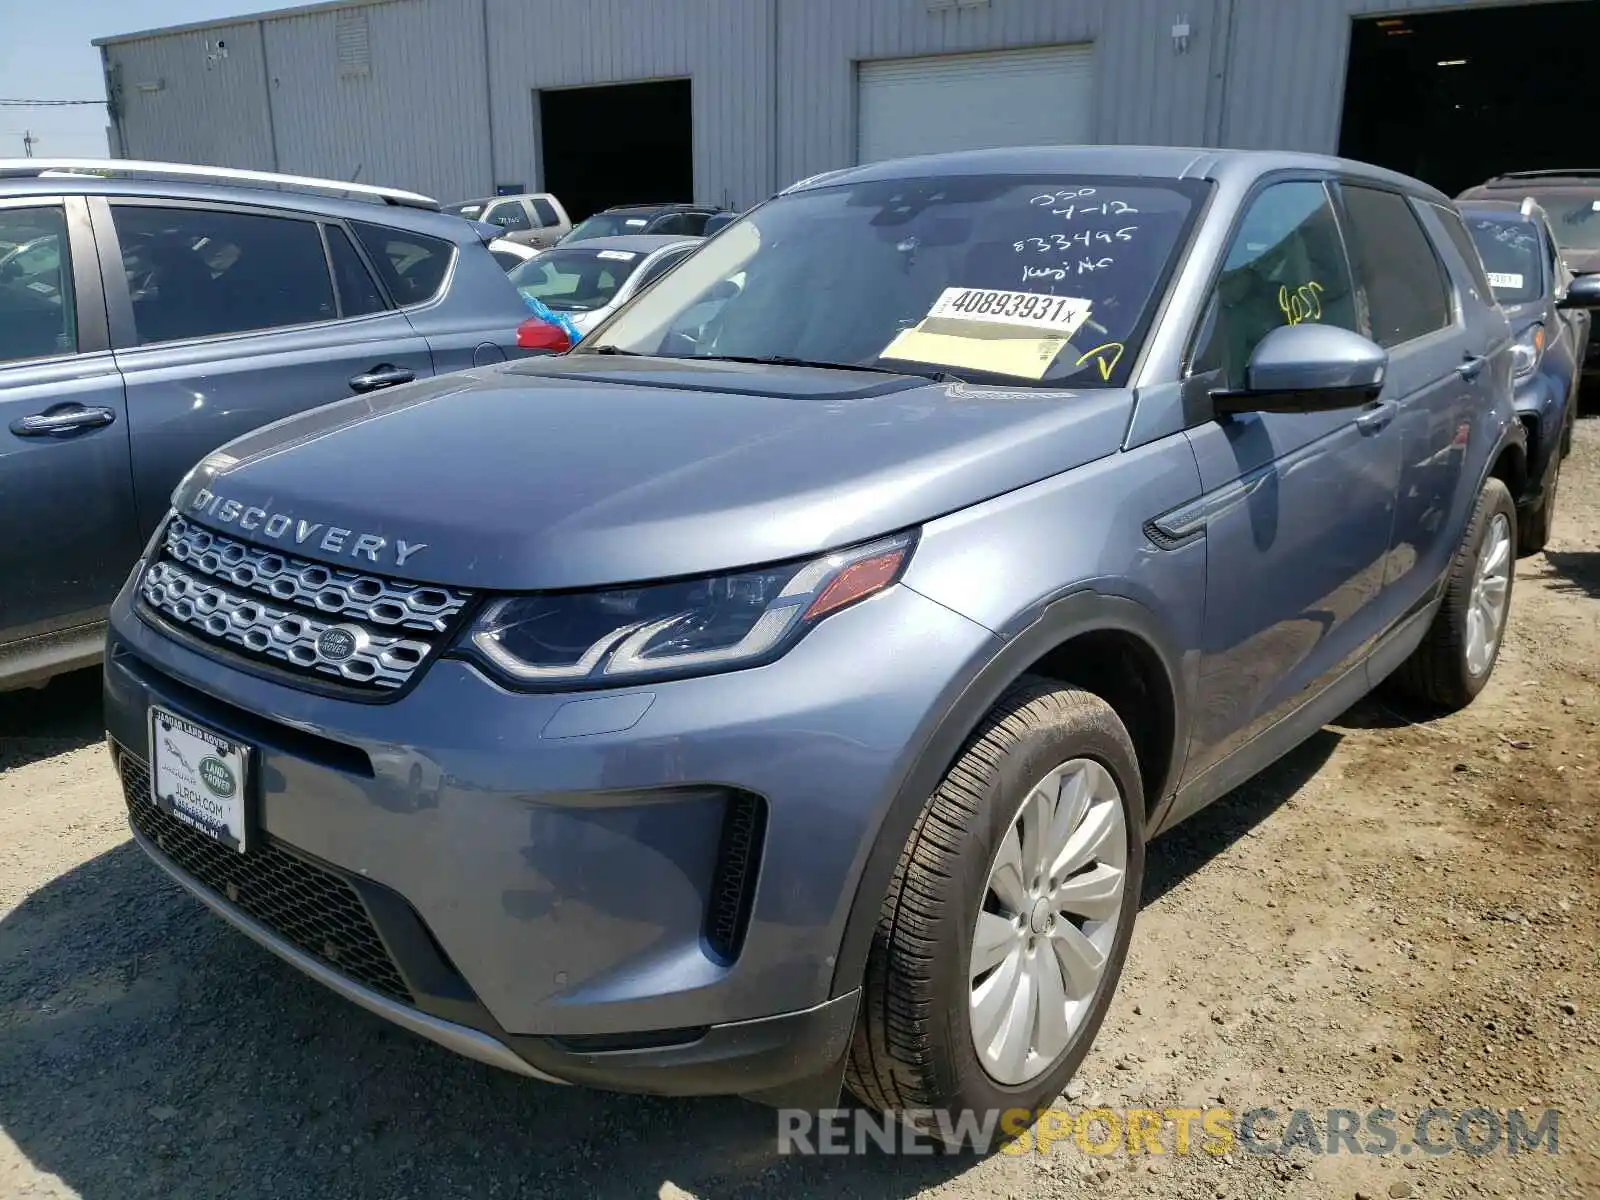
(46, 55)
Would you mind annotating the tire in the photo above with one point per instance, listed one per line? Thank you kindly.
(1533, 526)
(1437, 673)
(914, 1046)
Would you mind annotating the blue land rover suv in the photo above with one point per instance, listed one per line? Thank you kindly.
(778, 691)
(150, 312)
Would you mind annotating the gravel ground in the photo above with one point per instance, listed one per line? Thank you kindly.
(1399, 914)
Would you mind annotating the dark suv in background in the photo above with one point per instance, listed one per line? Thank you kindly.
(677, 220)
(150, 312)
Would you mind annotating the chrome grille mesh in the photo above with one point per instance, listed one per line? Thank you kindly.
(273, 606)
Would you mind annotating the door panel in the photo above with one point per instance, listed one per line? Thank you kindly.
(1297, 507)
(1297, 530)
(188, 395)
(67, 529)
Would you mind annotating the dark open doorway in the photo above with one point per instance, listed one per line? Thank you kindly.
(1456, 97)
(624, 144)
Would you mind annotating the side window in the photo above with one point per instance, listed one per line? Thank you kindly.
(695, 223)
(38, 316)
(1285, 265)
(358, 291)
(1407, 293)
(676, 224)
(199, 272)
(1559, 279)
(1457, 229)
(509, 214)
(506, 259)
(412, 266)
(545, 211)
(660, 267)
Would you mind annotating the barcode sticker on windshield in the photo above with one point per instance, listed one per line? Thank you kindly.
(1030, 310)
(617, 255)
(1502, 280)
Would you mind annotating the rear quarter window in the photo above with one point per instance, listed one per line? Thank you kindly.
(413, 266)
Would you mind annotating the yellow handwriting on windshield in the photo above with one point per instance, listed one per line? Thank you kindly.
(1106, 356)
(1302, 304)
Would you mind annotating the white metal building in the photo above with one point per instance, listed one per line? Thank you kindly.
(732, 99)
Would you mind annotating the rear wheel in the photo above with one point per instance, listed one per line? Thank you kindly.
(1005, 928)
(1456, 658)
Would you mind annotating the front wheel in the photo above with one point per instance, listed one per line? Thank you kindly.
(1004, 931)
(1456, 658)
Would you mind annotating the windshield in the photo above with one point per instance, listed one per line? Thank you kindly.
(1048, 280)
(609, 225)
(575, 280)
(1574, 217)
(469, 210)
(1509, 247)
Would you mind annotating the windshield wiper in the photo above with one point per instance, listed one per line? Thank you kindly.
(785, 360)
(616, 350)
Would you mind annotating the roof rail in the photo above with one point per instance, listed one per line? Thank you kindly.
(1551, 173)
(55, 168)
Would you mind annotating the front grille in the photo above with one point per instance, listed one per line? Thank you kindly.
(733, 886)
(305, 904)
(271, 606)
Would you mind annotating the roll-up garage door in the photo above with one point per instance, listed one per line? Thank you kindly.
(973, 101)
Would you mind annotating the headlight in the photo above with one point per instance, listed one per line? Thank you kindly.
(1527, 351)
(688, 627)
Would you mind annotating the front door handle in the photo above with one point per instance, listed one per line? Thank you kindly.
(1472, 366)
(62, 420)
(381, 376)
(1376, 417)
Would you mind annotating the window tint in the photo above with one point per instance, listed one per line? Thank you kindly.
(676, 224)
(37, 314)
(1406, 292)
(694, 224)
(1286, 265)
(545, 211)
(509, 214)
(575, 279)
(1457, 229)
(195, 272)
(411, 265)
(661, 266)
(358, 291)
(506, 259)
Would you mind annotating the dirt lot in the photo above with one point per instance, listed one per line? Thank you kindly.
(1401, 914)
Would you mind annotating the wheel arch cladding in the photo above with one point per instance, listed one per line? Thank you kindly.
(1108, 645)
(1511, 467)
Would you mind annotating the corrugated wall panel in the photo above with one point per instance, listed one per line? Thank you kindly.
(418, 120)
(183, 101)
(722, 46)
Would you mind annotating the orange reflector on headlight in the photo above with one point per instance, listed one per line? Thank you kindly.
(857, 581)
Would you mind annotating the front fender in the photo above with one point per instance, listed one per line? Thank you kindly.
(1073, 615)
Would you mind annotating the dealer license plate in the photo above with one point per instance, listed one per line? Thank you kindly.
(199, 777)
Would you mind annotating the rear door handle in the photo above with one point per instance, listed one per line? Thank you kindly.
(1472, 366)
(1376, 417)
(62, 421)
(381, 376)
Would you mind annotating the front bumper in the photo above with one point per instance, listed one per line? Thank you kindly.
(542, 871)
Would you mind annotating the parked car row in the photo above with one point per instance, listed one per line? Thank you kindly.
(777, 691)
(774, 691)
(151, 312)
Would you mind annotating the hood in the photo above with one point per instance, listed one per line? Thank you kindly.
(584, 470)
(1580, 261)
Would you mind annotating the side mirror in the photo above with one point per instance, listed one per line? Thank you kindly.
(534, 334)
(1583, 292)
(1308, 368)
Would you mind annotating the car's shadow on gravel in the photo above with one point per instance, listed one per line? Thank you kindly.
(42, 722)
(1175, 856)
(1579, 570)
(147, 1050)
